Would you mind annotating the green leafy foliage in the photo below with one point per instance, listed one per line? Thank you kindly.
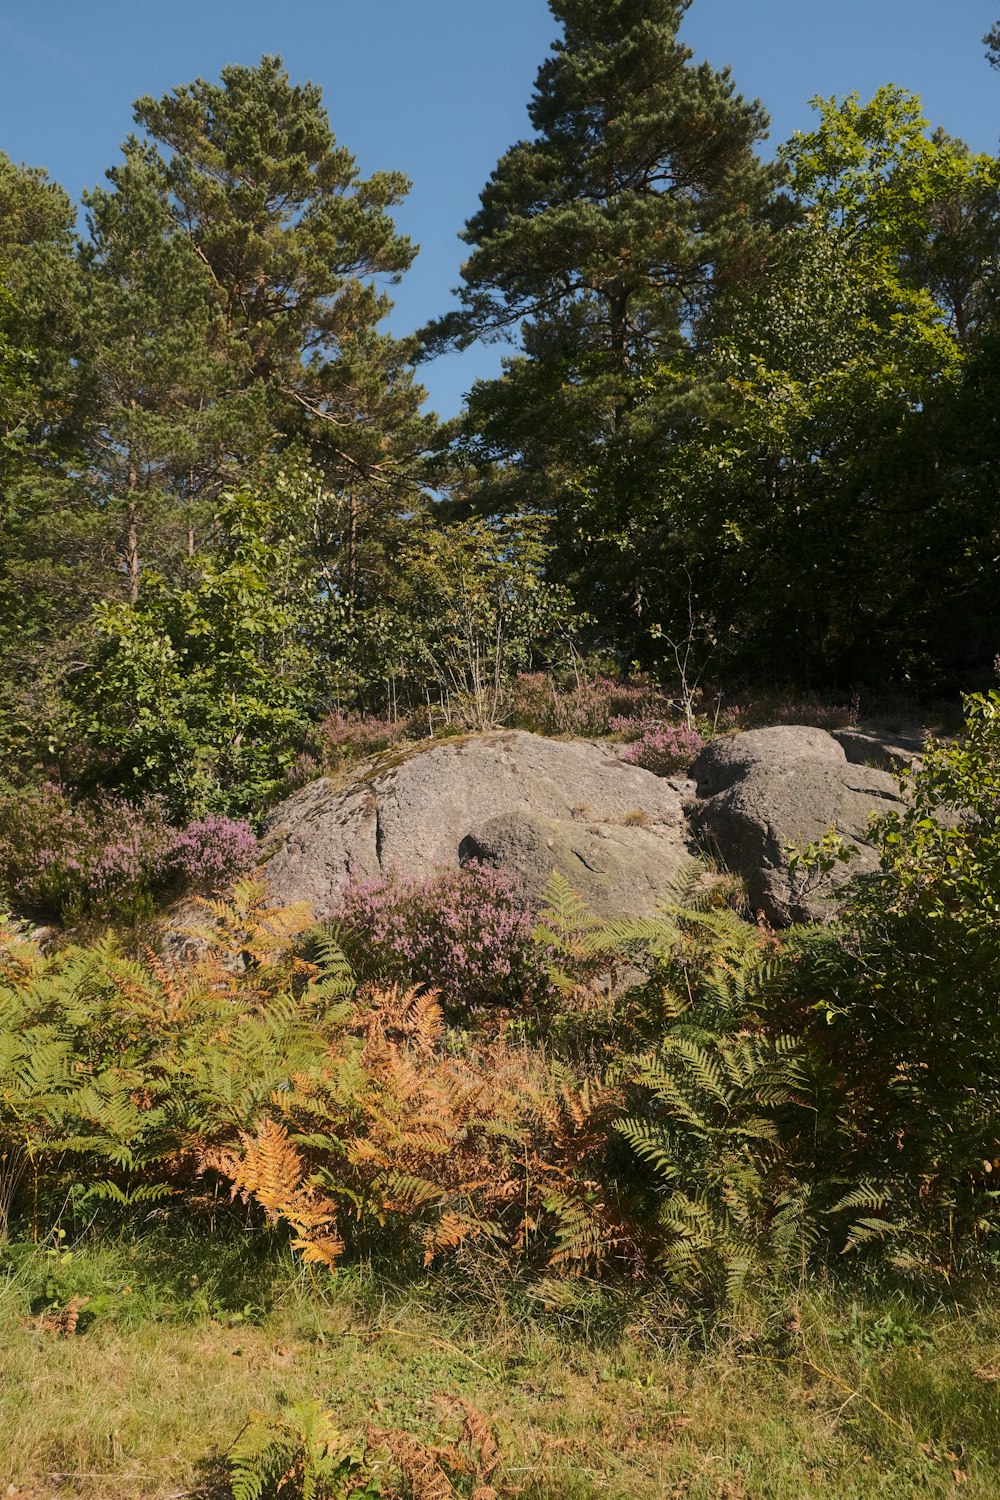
(302, 1456)
(200, 692)
(902, 995)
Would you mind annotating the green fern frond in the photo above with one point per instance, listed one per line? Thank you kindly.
(867, 1195)
(564, 917)
(336, 979)
(410, 1192)
(865, 1231)
(651, 1144)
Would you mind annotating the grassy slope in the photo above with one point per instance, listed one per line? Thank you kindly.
(179, 1343)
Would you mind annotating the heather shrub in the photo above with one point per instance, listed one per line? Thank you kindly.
(211, 852)
(583, 706)
(66, 859)
(110, 859)
(466, 933)
(659, 747)
(347, 734)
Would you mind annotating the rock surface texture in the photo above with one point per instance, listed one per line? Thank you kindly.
(886, 752)
(620, 835)
(761, 792)
(517, 801)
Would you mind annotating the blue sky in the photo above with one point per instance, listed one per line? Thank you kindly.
(438, 88)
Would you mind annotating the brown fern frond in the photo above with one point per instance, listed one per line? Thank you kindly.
(394, 1073)
(20, 956)
(450, 1231)
(477, 1434)
(271, 1172)
(64, 1323)
(417, 1463)
(412, 1016)
(317, 1249)
(173, 980)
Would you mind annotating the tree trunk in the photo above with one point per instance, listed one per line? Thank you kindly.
(132, 563)
(352, 552)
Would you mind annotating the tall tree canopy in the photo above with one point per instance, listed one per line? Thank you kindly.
(298, 249)
(151, 367)
(826, 536)
(53, 557)
(217, 327)
(635, 201)
(992, 40)
(610, 236)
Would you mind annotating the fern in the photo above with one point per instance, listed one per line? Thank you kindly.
(710, 1134)
(301, 1456)
(271, 1172)
(434, 1471)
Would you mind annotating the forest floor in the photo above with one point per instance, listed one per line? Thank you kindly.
(591, 1393)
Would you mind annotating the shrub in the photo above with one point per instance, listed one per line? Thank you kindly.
(465, 933)
(63, 858)
(584, 706)
(767, 710)
(901, 1001)
(211, 852)
(663, 748)
(110, 858)
(347, 734)
(199, 691)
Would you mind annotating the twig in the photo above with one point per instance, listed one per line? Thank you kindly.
(438, 1343)
(852, 1394)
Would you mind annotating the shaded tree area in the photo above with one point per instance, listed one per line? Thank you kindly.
(749, 427)
(748, 397)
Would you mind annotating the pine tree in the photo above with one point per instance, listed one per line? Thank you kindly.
(52, 554)
(611, 235)
(237, 268)
(635, 200)
(296, 244)
(152, 379)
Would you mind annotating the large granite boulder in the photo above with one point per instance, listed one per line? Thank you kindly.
(517, 801)
(769, 790)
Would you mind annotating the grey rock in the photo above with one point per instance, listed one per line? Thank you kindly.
(885, 752)
(727, 760)
(616, 869)
(517, 843)
(521, 802)
(44, 936)
(770, 790)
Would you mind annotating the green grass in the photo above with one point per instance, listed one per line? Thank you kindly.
(592, 1394)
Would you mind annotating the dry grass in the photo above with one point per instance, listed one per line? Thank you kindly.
(637, 817)
(609, 1402)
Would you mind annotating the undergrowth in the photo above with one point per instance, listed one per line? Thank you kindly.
(772, 1151)
(198, 1355)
